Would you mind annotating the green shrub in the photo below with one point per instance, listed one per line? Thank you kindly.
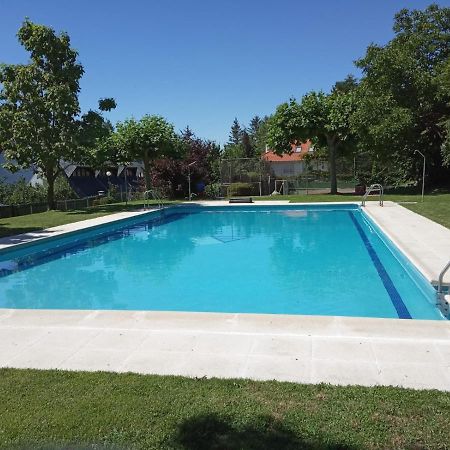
(241, 189)
(212, 190)
(103, 201)
(21, 192)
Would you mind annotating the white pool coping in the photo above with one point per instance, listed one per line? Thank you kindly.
(306, 349)
(303, 349)
(424, 242)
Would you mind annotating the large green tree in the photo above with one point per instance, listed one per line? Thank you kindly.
(322, 118)
(257, 131)
(40, 124)
(401, 104)
(444, 79)
(234, 148)
(147, 139)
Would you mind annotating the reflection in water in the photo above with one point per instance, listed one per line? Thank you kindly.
(277, 261)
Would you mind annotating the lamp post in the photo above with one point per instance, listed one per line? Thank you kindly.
(126, 184)
(423, 171)
(108, 174)
(189, 178)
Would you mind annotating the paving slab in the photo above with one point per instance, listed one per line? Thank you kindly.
(338, 350)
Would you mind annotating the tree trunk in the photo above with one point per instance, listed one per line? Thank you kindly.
(332, 150)
(50, 191)
(147, 176)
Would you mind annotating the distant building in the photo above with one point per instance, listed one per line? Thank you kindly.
(30, 176)
(292, 164)
(84, 180)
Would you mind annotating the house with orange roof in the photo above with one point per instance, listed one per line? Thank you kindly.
(291, 164)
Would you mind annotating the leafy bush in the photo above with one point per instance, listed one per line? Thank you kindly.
(212, 190)
(103, 201)
(21, 192)
(241, 189)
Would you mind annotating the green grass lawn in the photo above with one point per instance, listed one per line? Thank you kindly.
(52, 409)
(39, 221)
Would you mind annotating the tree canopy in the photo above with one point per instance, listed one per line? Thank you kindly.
(147, 139)
(402, 105)
(246, 142)
(322, 118)
(39, 108)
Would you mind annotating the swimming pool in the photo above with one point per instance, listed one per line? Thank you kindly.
(318, 260)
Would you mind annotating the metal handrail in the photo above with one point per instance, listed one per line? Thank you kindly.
(441, 277)
(374, 187)
(154, 194)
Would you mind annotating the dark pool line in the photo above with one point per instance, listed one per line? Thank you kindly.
(394, 295)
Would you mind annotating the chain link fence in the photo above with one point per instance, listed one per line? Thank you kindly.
(246, 176)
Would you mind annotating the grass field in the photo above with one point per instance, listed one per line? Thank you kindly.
(48, 219)
(53, 409)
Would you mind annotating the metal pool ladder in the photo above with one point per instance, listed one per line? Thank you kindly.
(374, 187)
(155, 196)
(443, 303)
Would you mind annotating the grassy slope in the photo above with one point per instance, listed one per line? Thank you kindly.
(53, 409)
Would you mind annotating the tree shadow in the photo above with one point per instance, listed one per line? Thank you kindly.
(210, 432)
(20, 235)
(5, 231)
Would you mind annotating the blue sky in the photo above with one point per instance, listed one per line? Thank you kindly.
(201, 63)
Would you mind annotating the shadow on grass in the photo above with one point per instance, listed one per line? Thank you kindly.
(5, 231)
(210, 432)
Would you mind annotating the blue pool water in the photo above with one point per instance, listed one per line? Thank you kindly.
(327, 260)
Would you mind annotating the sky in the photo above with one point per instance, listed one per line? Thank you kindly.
(204, 62)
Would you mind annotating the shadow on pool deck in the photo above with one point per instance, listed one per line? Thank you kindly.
(207, 432)
(22, 235)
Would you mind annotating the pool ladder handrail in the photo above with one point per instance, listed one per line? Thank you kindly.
(374, 187)
(442, 302)
(152, 193)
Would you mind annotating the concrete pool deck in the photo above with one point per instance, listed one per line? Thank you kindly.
(309, 349)
(304, 349)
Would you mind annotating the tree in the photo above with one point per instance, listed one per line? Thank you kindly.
(235, 133)
(254, 126)
(39, 103)
(148, 139)
(321, 118)
(445, 92)
(93, 132)
(401, 104)
(258, 134)
(204, 153)
(39, 108)
(247, 146)
(233, 148)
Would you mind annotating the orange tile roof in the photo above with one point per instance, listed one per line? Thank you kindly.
(286, 157)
